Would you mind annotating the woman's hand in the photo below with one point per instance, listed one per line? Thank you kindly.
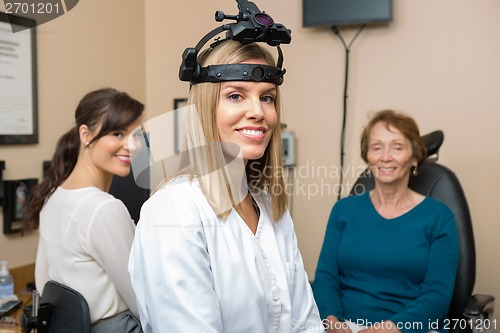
(383, 327)
(334, 325)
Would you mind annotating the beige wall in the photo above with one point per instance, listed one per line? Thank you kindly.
(97, 44)
(438, 61)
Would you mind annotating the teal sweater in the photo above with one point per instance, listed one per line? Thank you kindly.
(372, 269)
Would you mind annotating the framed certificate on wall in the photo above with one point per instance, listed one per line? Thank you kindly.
(18, 80)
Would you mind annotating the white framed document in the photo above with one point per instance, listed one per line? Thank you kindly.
(18, 80)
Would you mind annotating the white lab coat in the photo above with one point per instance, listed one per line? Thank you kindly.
(194, 272)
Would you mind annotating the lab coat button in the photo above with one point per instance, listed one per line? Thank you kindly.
(275, 295)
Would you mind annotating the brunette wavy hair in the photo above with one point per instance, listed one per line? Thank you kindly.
(107, 108)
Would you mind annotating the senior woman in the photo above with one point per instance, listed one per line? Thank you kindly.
(389, 256)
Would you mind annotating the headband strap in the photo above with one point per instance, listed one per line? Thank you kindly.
(241, 72)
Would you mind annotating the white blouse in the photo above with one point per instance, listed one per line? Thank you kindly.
(194, 272)
(85, 240)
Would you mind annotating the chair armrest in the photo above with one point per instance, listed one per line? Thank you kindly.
(479, 304)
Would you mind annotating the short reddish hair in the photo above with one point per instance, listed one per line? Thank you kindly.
(404, 123)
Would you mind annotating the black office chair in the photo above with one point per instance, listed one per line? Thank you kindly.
(61, 309)
(468, 312)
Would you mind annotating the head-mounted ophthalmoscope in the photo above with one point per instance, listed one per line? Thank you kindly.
(251, 25)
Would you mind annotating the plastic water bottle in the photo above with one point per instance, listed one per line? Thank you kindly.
(6, 281)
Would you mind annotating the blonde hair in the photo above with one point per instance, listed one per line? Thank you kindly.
(262, 174)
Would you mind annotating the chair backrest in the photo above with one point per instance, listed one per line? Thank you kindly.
(439, 182)
(70, 312)
(132, 195)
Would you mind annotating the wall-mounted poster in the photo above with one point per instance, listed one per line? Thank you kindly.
(18, 80)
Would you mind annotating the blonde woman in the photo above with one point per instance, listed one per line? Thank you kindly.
(215, 249)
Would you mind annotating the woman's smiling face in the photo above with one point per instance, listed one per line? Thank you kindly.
(246, 115)
(390, 154)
